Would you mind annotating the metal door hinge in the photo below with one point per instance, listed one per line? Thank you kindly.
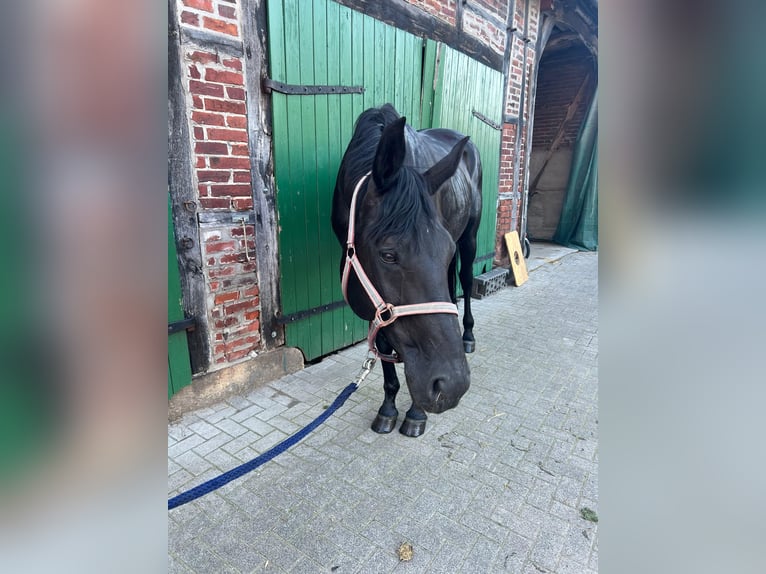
(486, 120)
(270, 85)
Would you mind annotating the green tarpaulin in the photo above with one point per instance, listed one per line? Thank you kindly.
(578, 225)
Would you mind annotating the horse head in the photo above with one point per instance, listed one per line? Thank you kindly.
(406, 252)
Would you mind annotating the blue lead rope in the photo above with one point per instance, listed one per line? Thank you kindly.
(227, 477)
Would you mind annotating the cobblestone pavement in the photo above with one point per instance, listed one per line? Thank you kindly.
(497, 484)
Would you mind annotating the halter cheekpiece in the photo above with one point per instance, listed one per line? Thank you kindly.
(385, 313)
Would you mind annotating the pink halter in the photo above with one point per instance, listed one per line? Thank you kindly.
(385, 313)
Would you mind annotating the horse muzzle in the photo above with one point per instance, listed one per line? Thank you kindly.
(445, 394)
(440, 387)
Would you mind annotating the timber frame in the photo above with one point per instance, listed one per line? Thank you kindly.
(259, 129)
(409, 18)
(182, 188)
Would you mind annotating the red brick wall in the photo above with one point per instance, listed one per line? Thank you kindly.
(488, 32)
(217, 116)
(442, 9)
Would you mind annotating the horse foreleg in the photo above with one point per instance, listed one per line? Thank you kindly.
(387, 413)
(452, 279)
(467, 255)
(414, 422)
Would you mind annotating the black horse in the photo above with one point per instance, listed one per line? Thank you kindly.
(420, 206)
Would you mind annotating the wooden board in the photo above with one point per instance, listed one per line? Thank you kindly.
(518, 263)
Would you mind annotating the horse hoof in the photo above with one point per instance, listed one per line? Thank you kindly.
(383, 425)
(469, 346)
(412, 427)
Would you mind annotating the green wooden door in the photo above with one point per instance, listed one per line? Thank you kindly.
(179, 365)
(466, 91)
(319, 42)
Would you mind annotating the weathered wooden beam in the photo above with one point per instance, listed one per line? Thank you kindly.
(259, 129)
(566, 38)
(576, 19)
(400, 14)
(211, 41)
(483, 12)
(182, 192)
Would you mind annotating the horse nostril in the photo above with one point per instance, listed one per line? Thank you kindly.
(439, 386)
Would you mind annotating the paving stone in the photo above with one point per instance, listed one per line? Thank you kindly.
(222, 413)
(184, 445)
(238, 402)
(212, 444)
(222, 460)
(243, 440)
(381, 562)
(204, 429)
(193, 462)
(278, 552)
(494, 485)
(246, 413)
(231, 427)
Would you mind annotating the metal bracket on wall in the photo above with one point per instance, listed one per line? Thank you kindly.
(219, 218)
(270, 85)
(486, 120)
(188, 324)
(292, 317)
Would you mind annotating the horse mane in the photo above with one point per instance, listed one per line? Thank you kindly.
(406, 207)
(368, 129)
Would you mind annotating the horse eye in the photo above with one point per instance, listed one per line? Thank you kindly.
(388, 257)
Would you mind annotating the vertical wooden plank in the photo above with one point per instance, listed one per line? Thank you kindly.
(305, 257)
(349, 54)
(438, 86)
(380, 58)
(182, 189)
(322, 248)
(427, 93)
(179, 365)
(281, 150)
(357, 58)
(399, 59)
(389, 65)
(293, 234)
(360, 103)
(484, 246)
(410, 73)
(281, 146)
(261, 144)
(418, 47)
(370, 96)
(331, 321)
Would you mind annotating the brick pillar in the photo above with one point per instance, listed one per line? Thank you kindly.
(216, 91)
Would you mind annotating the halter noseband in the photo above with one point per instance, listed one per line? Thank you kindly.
(385, 313)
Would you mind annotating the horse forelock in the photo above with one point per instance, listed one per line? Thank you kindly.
(360, 153)
(405, 210)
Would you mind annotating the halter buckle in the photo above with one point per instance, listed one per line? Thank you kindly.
(385, 315)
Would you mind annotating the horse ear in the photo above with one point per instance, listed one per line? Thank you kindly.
(446, 167)
(390, 154)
